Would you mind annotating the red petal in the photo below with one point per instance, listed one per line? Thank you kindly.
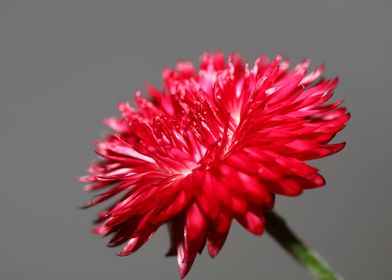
(195, 237)
(218, 233)
(253, 222)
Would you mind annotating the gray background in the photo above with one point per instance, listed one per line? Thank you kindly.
(64, 65)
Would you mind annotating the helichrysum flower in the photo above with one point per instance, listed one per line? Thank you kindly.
(214, 144)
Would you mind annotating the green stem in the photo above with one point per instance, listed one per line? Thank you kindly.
(311, 260)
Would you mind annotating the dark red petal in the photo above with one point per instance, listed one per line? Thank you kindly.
(217, 234)
(253, 221)
(195, 237)
(140, 236)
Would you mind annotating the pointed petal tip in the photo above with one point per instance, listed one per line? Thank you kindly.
(213, 252)
(338, 147)
(85, 178)
(335, 81)
(184, 270)
(85, 206)
(122, 254)
(87, 188)
(318, 180)
(100, 230)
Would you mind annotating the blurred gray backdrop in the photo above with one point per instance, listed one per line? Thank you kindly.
(64, 65)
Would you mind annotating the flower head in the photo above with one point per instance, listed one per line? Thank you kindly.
(213, 145)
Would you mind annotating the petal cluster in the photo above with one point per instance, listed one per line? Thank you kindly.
(215, 144)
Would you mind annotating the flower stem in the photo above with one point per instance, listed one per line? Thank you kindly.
(310, 259)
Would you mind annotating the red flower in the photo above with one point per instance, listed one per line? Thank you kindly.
(213, 145)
